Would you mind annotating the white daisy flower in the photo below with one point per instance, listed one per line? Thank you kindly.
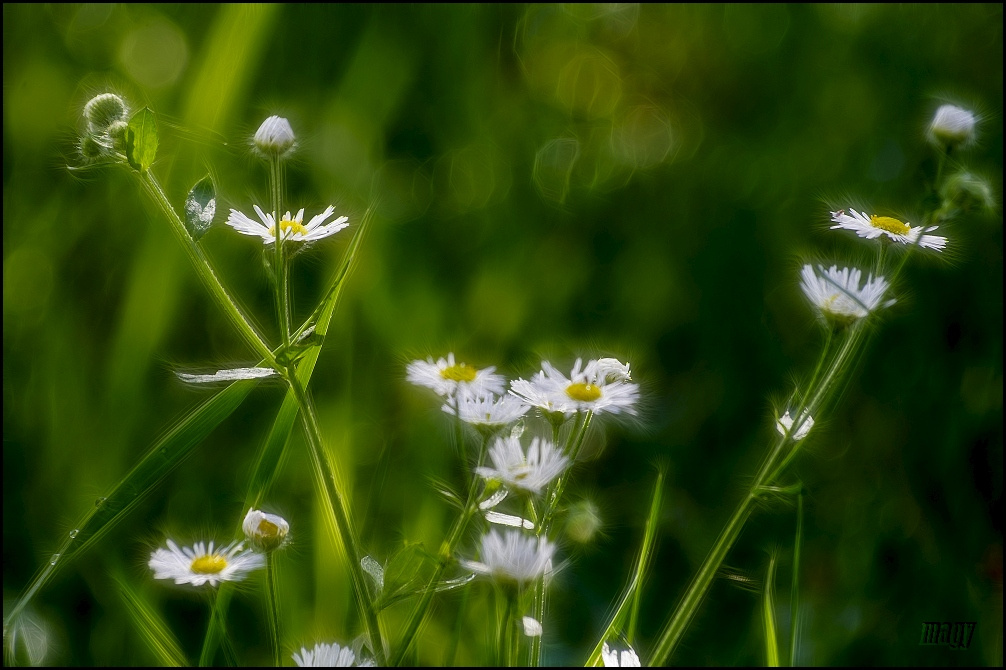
(265, 532)
(274, 136)
(613, 658)
(512, 557)
(785, 423)
(447, 377)
(291, 227)
(530, 473)
(952, 125)
(874, 226)
(201, 564)
(838, 295)
(487, 410)
(329, 656)
(595, 387)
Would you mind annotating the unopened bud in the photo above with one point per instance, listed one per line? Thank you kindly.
(583, 522)
(275, 136)
(968, 192)
(952, 126)
(610, 371)
(103, 110)
(265, 532)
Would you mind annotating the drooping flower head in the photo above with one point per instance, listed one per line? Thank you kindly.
(600, 386)
(329, 656)
(265, 532)
(448, 378)
(619, 658)
(512, 557)
(202, 564)
(784, 424)
(838, 294)
(531, 472)
(952, 126)
(488, 410)
(874, 226)
(292, 228)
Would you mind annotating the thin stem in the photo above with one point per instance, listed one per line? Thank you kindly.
(422, 608)
(280, 269)
(325, 471)
(205, 271)
(272, 593)
(794, 595)
(452, 650)
(506, 633)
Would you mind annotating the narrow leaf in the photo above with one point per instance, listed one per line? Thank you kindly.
(375, 570)
(141, 140)
(768, 616)
(200, 208)
(794, 603)
(227, 376)
(155, 632)
(161, 459)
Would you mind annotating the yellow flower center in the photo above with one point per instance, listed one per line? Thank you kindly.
(268, 530)
(210, 564)
(583, 392)
(459, 373)
(889, 224)
(289, 227)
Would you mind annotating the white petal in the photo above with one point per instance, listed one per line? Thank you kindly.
(227, 375)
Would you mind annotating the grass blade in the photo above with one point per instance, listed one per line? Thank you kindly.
(166, 454)
(768, 615)
(794, 597)
(155, 632)
(629, 605)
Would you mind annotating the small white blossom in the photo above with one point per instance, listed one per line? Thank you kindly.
(291, 227)
(595, 387)
(265, 532)
(530, 473)
(785, 423)
(274, 136)
(449, 378)
(951, 126)
(874, 226)
(613, 658)
(488, 410)
(532, 627)
(329, 656)
(838, 295)
(512, 557)
(202, 564)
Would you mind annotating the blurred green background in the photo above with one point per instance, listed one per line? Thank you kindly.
(549, 181)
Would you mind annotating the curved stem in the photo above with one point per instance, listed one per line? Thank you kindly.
(205, 271)
(273, 595)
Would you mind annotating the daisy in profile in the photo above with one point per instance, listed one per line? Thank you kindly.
(600, 386)
(448, 378)
(328, 656)
(784, 424)
(531, 472)
(513, 557)
(292, 228)
(838, 294)
(202, 564)
(872, 227)
(615, 658)
(489, 411)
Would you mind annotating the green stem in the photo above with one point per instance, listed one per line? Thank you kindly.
(506, 633)
(205, 271)
(272, 593)
(325, 471)
(422, 608)
(280, 270)
(794, 596)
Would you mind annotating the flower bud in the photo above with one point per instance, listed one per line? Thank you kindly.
(274, 137)
(265, 532)
(968, 192)
(103, 110)
(584, 522)
(952, 126)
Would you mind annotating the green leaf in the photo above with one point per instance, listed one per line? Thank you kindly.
(768, 616)
(200, 208)
(141, 140)
(628, 607)
(161, 459)
(155, 632)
